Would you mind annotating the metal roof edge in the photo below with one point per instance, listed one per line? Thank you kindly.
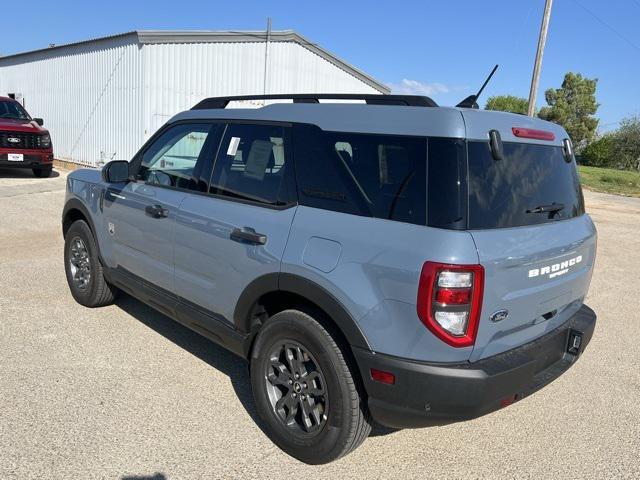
(338, 62)
(132, 34)
(204, 36)
(200, 36)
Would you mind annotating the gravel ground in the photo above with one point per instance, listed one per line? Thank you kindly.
(123, 392)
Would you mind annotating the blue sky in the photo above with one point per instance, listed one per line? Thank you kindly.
(443, 49)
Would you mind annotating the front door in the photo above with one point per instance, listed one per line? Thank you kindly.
(141, 215)
(238, 232)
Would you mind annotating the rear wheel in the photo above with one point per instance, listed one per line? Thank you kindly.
(42, 172)
(305, 391)
(85, 274)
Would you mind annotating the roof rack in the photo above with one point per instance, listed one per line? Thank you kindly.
(371, 99)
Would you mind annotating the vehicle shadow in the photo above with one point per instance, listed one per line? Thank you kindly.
(23, 173)
(219, 358)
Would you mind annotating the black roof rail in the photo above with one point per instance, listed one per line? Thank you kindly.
(371, 99)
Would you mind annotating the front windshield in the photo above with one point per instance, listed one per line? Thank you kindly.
(13, 110)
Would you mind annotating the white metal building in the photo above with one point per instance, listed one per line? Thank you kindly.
(102, 98)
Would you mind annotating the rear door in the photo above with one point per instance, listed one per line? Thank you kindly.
(526, 216)
(237, 231)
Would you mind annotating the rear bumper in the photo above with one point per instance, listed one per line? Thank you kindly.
(426, 393)
(31, 158)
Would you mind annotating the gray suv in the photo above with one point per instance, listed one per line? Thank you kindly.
(382, 259)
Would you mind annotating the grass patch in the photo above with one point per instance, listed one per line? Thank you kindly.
(608, 180)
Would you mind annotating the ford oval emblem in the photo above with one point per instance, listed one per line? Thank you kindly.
(13, 140)
(499, 315)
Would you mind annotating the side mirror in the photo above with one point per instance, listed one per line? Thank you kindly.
(116, 172)
(39, 121)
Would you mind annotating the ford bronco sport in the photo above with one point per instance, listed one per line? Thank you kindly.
(23, 141)
(387, 260)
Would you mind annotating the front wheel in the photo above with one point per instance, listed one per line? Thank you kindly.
(85, 274)
(42, 172)
(305, 391)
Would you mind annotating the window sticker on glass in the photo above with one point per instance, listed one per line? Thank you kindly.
(233, 146)
(259, 155)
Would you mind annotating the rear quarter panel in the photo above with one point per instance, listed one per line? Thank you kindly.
(372, 267)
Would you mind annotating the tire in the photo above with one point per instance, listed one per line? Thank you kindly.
(345, 422)
(81, 257)
(44, 172)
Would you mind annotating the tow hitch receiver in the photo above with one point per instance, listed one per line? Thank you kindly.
(575, 342)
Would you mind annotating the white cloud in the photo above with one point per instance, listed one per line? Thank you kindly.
(414, 87)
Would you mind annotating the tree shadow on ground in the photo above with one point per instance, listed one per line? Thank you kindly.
(219, 358)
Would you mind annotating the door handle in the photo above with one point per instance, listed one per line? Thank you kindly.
(156, 211)
(248, 235)
(111, 193)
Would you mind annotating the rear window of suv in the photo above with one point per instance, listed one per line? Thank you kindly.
(533, 184)
(440, 182)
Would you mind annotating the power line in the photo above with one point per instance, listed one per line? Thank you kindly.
(520, 31)
(609, 124)
(608, 25)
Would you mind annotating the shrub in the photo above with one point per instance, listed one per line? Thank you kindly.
(626, 148)
(599, 153)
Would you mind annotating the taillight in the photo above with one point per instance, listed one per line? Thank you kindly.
(533, 133)
(450, 300)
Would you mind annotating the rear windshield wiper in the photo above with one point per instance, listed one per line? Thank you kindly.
(554, 207)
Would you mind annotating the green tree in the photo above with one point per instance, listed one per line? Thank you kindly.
(626, 147)
(573, 106)
(599, 153)
(507, 103)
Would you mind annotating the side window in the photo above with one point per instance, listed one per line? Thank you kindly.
(322, 180)
(251, 164)
(388, 171)
(381, 176)
(446, 192)
(171, 160)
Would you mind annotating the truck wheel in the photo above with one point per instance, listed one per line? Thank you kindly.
(305, 391)
(44, 172)
(85, 274)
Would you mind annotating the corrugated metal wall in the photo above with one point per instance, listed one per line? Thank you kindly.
(102, 99)
(179, 75)
(88, 94)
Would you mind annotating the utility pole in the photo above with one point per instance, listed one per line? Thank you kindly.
(537, 66)
(266, 55)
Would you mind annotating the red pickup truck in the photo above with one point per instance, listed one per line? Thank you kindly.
(23, 141)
